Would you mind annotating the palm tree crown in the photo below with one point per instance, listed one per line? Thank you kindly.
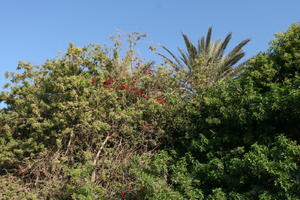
(205, 64)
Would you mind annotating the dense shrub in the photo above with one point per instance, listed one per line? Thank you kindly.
(76, 121)
(239, 140)
(96, 125)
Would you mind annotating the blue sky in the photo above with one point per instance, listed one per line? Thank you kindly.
(35, 30)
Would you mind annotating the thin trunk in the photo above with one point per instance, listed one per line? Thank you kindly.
(93, 178)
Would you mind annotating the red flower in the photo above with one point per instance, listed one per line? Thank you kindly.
(123, 195)
(106, 86)
(161, 100)
(93, 80)
(134, 88)
(122, 87)
(109, 81)
(138, 92)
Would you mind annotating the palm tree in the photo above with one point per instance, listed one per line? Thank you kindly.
(204, 65)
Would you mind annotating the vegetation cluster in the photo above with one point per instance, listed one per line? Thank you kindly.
(102, 123)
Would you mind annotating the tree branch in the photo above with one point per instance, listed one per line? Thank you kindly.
(93, 178)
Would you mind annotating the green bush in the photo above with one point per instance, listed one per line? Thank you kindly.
(238, 139)
(79, 119)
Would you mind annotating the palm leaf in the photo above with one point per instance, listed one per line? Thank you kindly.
(208, 58)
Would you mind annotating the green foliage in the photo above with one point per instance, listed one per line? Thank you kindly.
(260, 172)
(172, 179)
(12, 188)
(93, 124)
(90, 111)
(80, 186)
(239, 141)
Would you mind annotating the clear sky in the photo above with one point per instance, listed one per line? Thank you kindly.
(36, 30)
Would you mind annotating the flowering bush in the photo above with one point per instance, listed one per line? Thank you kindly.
(83, 110)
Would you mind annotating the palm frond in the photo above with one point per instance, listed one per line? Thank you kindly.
(239, 47)
(208, 59)
(208, 38)
(191, 49)
(201, 46)
(186, 59)
(224, 44)
(181, 65)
